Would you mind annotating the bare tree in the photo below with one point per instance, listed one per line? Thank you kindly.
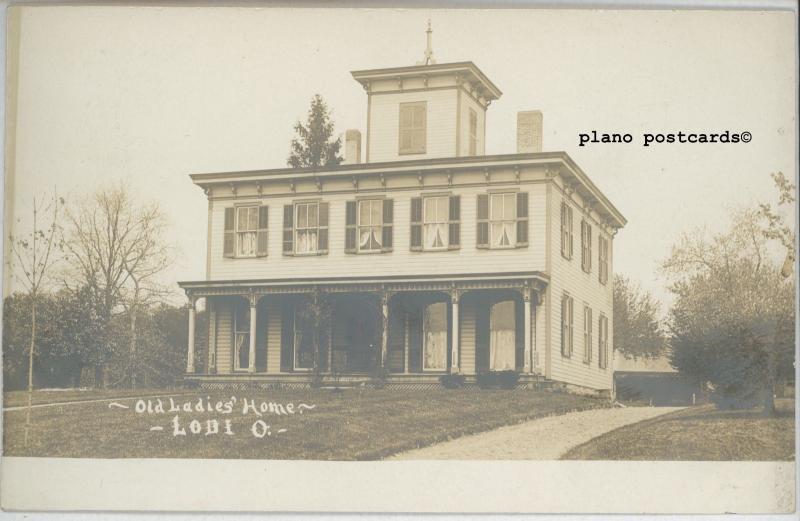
(35, 255)
(114, 247)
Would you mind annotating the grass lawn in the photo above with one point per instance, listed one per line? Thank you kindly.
(699, 434)
(20, 398)
(353, 424)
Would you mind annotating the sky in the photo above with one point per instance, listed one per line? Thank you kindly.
(149, 95)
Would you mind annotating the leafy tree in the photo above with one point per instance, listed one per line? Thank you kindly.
(314, 144)
(732, 323)
(637, 328)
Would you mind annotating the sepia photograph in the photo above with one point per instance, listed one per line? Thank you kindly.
(239, 237)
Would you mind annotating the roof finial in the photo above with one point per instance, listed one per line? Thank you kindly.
(429, 59)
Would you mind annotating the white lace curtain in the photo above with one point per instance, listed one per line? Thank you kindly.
(502, 339)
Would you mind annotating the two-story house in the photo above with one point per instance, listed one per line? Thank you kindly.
(430, 256)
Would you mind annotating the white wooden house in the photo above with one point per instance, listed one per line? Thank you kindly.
(433, 257)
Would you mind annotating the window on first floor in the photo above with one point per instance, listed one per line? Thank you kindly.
(587, 334)
(434, 330)
(567, 330)
(602, 337)
(303, 344)
(241, 336)
(502, 336)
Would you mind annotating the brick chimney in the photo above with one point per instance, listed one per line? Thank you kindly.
(529, 131)
(352, 147)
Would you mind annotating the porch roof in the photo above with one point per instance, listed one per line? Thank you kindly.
(534, 280)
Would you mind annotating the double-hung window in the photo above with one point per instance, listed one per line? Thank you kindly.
(241, 336)
(586, 246)
(503, 220)
(370, 225)
(435, 220)
(305, 228)
(567, 330)
(587, 334)
(566, 230)
(602, 245)
(246, 231)
(602, 335)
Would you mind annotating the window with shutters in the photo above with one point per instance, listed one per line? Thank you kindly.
(602, 336)
(370, 225)
(567, 330)
(435, 227)
(586, 246)
(587, 334)
(473, 133)
(245, 231)
(305, 228)
(566, 230)
(503, 220)
(413, 125)
(602, 246)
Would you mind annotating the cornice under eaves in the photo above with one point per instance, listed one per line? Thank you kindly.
(565, 167)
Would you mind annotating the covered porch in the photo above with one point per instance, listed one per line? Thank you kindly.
(341, 330)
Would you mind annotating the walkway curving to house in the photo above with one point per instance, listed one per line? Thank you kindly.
(542, 439)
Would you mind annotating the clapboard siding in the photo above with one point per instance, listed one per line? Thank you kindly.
(468, 103)
(467, 336)
(384, 126)
(401, 261)
(224, 338)
(585, 288)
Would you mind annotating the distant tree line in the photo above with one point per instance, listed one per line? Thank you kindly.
(731, 328)
(94, 313)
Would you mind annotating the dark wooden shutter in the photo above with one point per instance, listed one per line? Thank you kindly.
(588, 248)
(563, 229)
(322, 235)
(350, 232)
(522, 219)
(482, 236)
(288, 229)
(227, 247)
(263, 224)
(416, 223)
(388, 225)
(583, 244)
(454, 225)
(570, 230)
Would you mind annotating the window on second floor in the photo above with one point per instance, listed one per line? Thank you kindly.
(246, 231)
(566, 230)
(602, 245)
(502, 220)
(586, 246)
(368, 226)
(473, 132)
(413, 124)
(305, 228)
(435, 222)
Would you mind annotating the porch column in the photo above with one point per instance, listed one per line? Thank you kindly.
(385, 329)
(454, 365)
(526, 297)
(190, 352)
(253, 317)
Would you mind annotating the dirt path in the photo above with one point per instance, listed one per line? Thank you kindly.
(543, 439)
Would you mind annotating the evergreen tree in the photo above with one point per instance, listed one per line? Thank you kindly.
(314, 144)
